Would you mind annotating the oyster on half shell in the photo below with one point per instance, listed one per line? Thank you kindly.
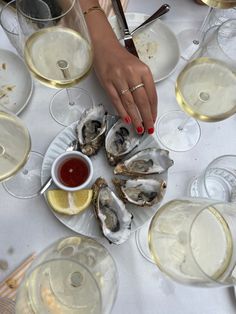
(120, 141)
(91, 129)
(115, 220)
(147, 161)
(141, 192)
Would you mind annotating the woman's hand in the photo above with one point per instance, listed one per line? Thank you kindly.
(119, 71)
(126, 79)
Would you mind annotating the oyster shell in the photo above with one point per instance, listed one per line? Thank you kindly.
(114, 218)
(91, 129)
(147, 161)
(120, 140)
(141, 192)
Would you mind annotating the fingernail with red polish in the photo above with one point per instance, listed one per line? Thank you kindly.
(140, 129)
(150, 130)
(127, 120)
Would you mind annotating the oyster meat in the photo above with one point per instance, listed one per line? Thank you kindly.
(111, 212)
(120, 140)
(91, 129)
(147, 161)
(141, 192)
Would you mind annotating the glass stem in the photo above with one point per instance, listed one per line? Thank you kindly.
(64, 67)
(200, 33)
(202, 98)
(183, 123)
(70, 97)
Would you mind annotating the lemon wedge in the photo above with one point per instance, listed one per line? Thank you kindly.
(69, 203)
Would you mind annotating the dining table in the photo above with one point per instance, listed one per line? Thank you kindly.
(28, 225)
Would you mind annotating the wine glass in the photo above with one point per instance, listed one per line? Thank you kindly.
(58, 52)
(205, 89)
(9, 23)
(73, 275)
(191, 38)
(19, 167)
(193, 241)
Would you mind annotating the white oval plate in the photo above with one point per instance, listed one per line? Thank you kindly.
(86, 223)
(156, 44)
(16, 84)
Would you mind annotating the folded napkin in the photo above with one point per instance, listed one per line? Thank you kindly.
(8, 287)
(107, 6)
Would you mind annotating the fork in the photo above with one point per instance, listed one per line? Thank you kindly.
(74, 145)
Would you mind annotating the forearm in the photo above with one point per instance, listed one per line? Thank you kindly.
(99, 27)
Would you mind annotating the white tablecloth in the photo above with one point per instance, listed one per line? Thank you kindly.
(29, 226)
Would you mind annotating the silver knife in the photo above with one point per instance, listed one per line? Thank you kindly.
(128, 40)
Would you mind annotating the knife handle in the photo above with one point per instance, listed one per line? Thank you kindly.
(118, 5)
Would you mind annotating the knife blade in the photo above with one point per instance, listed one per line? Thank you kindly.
(128, 40)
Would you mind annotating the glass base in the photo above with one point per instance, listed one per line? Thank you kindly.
(68, 104)
(188, 42)
(177, 131)
(27, 182)
(141, 238)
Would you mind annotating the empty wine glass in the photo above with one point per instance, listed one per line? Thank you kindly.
(193, 241)
(205, 89)
(58, 52)
(73, 275)
(10, 25)
(19, 167)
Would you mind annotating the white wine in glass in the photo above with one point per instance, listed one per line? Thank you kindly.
(20, 168)
(60, 286)
(45, 49)
(205, 89)
(58, 52)
(15, 145)
(73, 275)
(193, 240)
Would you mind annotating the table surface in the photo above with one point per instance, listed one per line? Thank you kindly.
(29, 226)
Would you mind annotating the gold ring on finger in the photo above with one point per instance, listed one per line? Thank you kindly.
(123, 91)
(132, 89)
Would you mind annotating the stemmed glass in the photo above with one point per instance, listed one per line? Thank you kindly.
(19, 167)
(205, 89)
(193, 241)
(190, 39)
(9, 23)
(58, 52)
(73, 275)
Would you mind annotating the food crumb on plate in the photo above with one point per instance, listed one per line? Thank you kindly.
(4, 66)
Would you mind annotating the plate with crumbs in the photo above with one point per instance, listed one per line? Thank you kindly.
(156, 44)
(16, 84)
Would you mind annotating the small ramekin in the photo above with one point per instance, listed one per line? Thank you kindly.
(60, 159)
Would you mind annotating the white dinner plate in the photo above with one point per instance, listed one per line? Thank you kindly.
(85, 223)
(156, 44)
(16, 84)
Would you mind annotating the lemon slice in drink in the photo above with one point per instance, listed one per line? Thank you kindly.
(69, 203)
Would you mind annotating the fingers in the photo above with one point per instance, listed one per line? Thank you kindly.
(133, 93)
(142, 101)
(116, 100)
(151, 94)
(131, 107)
(134, 106)
(126, 101)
